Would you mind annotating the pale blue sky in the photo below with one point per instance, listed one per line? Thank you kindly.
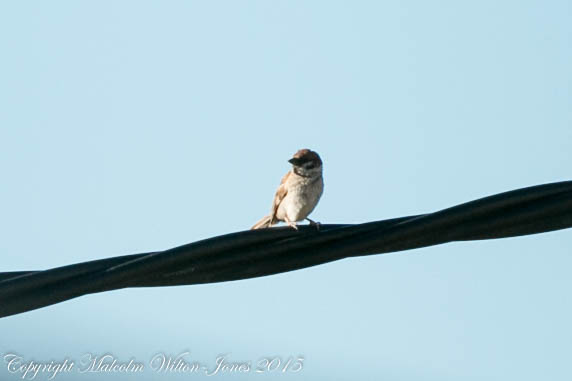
(137, 126)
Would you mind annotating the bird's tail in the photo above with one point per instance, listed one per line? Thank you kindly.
(265, 222)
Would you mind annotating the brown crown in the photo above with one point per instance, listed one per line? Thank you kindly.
(307, 155)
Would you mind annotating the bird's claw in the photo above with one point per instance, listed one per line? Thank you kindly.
(314, 223)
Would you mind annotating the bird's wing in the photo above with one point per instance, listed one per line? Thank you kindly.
(279, 196)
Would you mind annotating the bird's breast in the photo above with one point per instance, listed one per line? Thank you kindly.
(302, 198)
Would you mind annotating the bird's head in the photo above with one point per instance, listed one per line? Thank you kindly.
(306, 163)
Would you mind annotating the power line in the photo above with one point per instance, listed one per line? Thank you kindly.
(256, 253)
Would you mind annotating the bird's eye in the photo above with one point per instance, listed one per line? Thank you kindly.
(309, 165)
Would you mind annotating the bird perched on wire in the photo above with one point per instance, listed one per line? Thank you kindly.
(298, 192)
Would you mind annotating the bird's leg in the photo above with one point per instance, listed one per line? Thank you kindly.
(290, 223)
(314, 223)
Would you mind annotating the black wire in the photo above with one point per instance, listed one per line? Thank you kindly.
(255, 253)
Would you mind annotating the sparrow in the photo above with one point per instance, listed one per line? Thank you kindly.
(298, 192)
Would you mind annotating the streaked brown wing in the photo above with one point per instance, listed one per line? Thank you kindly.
(279, 196)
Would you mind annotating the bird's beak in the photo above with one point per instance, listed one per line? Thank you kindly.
(294, 161)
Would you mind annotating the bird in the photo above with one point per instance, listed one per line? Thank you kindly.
(298, 192)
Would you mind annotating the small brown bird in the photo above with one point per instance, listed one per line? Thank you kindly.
(298, 193)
